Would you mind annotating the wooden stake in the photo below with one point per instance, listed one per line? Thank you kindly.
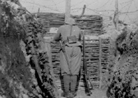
(83, 11)
(116, 16)
(38, 11)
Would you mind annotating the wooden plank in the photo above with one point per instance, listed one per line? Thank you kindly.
(100, 63)
(68, 6)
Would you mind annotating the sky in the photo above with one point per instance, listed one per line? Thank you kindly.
(99, 7)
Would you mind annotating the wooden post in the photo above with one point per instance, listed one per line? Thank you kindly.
(68, 7)
(83, 11)
(116, 5)
(100, 67)
(116, 15)
(38, 11)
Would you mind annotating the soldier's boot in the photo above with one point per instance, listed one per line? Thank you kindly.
(66, 83)
(73, 86)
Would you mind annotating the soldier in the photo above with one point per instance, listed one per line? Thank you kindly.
(70, 56)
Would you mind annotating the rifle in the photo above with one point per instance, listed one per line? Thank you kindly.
(35, 60)
(88, 86)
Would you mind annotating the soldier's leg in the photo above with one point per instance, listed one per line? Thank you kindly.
(75, 68)
(73, 85)
(66, 84)
(65, 73)
(78, 79)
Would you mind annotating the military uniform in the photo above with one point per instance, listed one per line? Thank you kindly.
(70, 57)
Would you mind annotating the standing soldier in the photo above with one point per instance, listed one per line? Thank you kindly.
(69, 36)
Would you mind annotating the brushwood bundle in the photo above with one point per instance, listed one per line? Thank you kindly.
(124, 81)
(14, 71)
(34, 42)
(16, 79)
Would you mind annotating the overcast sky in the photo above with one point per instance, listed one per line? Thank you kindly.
(102, 7)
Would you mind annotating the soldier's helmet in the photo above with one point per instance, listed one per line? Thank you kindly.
(71, 21)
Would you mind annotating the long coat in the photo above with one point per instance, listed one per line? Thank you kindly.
(73, 51)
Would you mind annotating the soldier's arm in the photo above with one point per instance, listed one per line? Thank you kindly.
(80, 35)
(57, 37)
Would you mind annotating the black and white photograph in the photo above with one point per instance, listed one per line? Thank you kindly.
(68, 48)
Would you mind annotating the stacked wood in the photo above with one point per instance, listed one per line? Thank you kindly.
(55, 49)
(92, 23)
(15, 74)
(105, 53)
(55, 20)
(92, 51)
(97, 50)
(41, 58)
(105, 46)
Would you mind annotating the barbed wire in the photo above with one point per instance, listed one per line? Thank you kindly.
(126, 5)
(135, 4)
(63, 1)
(127, 11)
(101, 10)
(129, 18)
(91, 3)
(33, 5)
(125, 2)
(41, 6)
(81, 7)
(97, 12)
(77, 8)
(104, 4)
(78, 3)
(55, 4)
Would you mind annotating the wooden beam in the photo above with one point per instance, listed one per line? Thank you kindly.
(68, 7)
